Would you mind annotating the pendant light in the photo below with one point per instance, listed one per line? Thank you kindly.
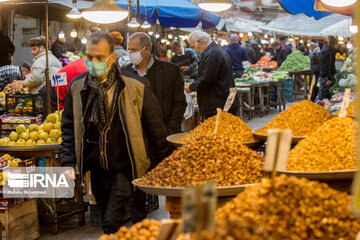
(133, 23)
(105, 12)
(73, 33)
(61, 34)
(145, 24)
(215, 5)
(84, 40)
(74, 12)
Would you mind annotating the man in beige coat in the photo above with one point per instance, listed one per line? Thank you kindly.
(37, 78)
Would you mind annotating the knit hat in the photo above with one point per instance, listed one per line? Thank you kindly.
(26, 65)
(118, 38)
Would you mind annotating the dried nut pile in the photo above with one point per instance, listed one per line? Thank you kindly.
(229, 126)
(350, 111)
(16, 87)
(147, 229)
(331, 147)
(297, 209)
(210, 158)
(303, 118)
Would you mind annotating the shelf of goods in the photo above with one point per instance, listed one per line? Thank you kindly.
(23, 104)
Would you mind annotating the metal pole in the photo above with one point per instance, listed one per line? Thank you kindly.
(138, 10)
(47, 77)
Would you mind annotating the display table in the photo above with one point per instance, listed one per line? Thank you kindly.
(51, 210)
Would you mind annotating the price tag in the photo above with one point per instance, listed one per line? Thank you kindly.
(246, 64)
(277, 149)
(58, 79)
(189, 209)
(209, 203)
(345, 103)
(230, 99)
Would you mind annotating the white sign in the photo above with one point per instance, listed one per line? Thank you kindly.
(58, 79)
(246, 64)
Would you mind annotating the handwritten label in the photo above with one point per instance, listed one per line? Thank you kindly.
(345, 103)
(230, 99)
(58, 79)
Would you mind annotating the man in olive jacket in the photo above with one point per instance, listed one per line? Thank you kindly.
(165, 80)
(112, 126)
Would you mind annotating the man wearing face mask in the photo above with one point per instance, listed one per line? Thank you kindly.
(165, 80)
(112, 126)
(215, 76)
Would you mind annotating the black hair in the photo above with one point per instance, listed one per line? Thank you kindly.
(282, 38)
(97, 36)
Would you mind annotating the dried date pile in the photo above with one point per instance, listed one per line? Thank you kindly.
(296, 209)
(303, 118)
(229, 126)
(209, 158)
(147, 229)
(331, 147)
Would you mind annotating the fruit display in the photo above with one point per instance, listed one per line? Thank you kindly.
(295, 62)
(292, 209)
(147, 229)
(351, 111)
(330, 147)
(230, 126)
(211, 158)
(265, 62)
(303, 118)
(22, 104)
(16, 87)
(48, 132)
(350, 63)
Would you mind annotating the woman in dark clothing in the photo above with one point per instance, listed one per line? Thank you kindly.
(327, 69)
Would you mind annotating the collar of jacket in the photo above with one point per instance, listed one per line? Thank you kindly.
(210, 46)
(41, 54)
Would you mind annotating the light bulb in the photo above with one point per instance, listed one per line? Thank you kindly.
(151, 33)
(73, 33)
(272, 40)
(157, 35)
(163, 40)
(353, 29)
(301, 41)
(215, 6)
(145, 25)
(349, 45)
(172, 28)
(170, 36)
(84, 40)
(241, 35)
(61, 34)
(250, 34)
(340, 38)
(133, 23)
(168, 43)
(74, 13)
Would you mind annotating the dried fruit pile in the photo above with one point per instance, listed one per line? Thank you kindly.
(331, 147)
(298, 209)
(229, 126)
(147, 229)
(351, 111)
(207, 159)
(303, 118)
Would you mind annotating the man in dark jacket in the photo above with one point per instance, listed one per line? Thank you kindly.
(59, 47)
(256, 48)
(327, 69)
(165, 79)
(315, 68)
(185, 59)
(112, 126)
(7, 49)
(280, 53)
(215, 76)
(237, 55)
(250, 52)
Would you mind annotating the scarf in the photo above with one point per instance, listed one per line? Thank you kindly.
(100, 111)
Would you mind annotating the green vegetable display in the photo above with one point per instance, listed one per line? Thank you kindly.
(295, 62)
(245, 79)
(280, 75)
(251, 70)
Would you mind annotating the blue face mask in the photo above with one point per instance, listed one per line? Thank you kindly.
(97, 69)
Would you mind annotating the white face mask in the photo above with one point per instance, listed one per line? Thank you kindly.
(135, 57)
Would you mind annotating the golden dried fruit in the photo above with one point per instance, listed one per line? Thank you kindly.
(331, 147)
(230, 126)
(303, 118)
(146, 229)
(295, 209)
(351, 111)
(209, 158)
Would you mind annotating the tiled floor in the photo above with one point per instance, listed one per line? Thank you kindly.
(70, 230)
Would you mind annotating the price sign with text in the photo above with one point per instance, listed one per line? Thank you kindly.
(58, 79)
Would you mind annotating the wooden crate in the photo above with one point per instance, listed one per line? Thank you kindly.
(20, 222)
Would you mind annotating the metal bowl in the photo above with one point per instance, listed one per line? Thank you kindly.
(177, 191)
(174, 140)
(263, 137)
